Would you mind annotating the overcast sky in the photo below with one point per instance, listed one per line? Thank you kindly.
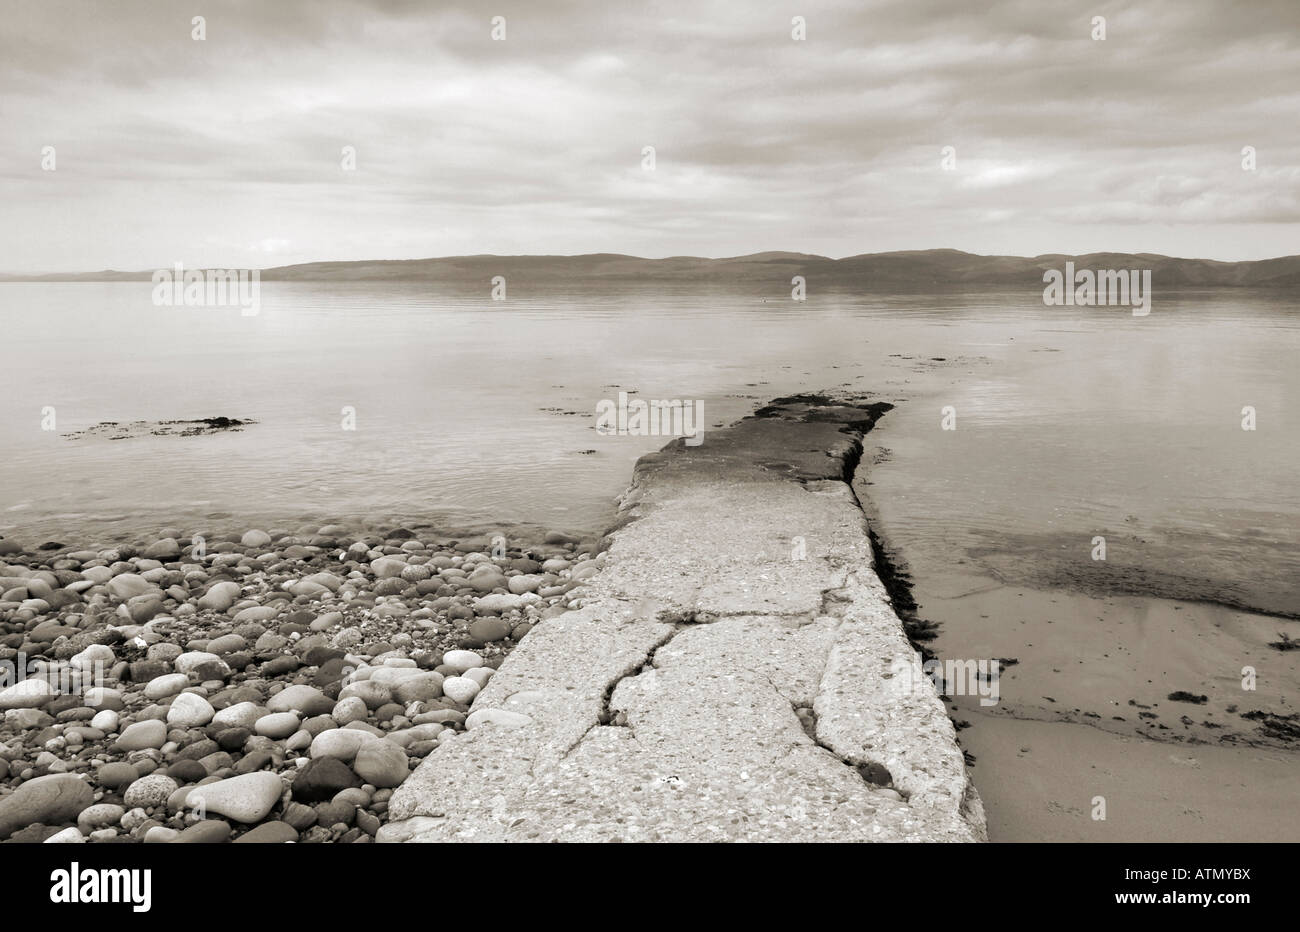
(227, 151)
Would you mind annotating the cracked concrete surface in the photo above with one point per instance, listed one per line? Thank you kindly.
(664, 708)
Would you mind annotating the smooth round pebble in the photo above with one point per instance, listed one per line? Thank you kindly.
(189, 710)
(460, 689)
(461, 660)
(381, 763)
(277, 725)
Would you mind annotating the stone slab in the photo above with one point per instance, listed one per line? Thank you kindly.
(735, 672)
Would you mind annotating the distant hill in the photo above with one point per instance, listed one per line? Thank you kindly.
(868, 272)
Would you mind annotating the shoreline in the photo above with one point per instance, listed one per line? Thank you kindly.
(99, 532)
(384, 612)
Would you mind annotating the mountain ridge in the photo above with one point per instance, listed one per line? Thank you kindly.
(865, 271)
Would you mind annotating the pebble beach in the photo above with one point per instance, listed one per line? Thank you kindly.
(256, 686)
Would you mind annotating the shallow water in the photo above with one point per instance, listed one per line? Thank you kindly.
(1070, 422)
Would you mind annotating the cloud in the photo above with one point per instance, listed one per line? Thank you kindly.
(213, 149)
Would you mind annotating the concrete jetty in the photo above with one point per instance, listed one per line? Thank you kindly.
(735, 673)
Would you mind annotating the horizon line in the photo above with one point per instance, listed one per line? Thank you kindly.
(620, 255)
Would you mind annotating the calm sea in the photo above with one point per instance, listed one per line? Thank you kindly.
(1070, 422)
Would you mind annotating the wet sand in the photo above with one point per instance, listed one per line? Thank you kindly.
(1113, 662)
(1238, 570)
(1085, 711)
(1153, 791)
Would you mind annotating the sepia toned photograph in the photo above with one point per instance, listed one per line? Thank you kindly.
(716, 422)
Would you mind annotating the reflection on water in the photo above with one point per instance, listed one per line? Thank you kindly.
(1070, 421)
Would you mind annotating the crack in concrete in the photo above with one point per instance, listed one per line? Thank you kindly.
(606, 716)
(581, 738)
(873, 773)
(680, 622)
(834, 603)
